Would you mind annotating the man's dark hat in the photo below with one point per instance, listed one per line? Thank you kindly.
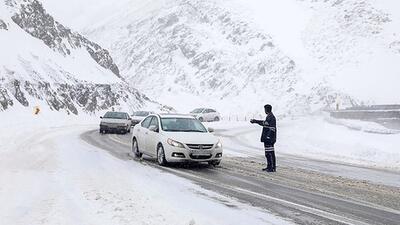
(268, 107)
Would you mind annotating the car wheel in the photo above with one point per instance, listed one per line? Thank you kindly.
(161, 156)
(216, 118)
(201, 119)
(135, 149)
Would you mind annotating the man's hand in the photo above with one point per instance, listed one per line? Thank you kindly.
(252, 121)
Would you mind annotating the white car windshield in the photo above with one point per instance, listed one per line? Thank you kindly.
(182, 125)
(115, 115)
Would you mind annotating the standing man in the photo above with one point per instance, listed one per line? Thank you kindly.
(268, 137)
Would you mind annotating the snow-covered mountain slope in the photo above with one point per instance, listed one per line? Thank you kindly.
(236, 55)
(44, 63)
(355, 42)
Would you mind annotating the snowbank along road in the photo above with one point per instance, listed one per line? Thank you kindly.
(306, 191)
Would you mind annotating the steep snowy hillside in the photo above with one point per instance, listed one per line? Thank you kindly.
(355, 42)
(236, 55)
(44, 63)
(203, 52)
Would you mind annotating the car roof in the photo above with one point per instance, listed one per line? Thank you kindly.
(174, 115)
(116, 112)
(204, 108)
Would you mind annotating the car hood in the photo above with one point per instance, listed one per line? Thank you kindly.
(192, 137)
(111, 120)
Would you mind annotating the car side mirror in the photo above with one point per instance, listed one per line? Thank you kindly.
(101, 117)
(211, 130)
(154, 128)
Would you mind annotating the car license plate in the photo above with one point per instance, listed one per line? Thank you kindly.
(201, 154)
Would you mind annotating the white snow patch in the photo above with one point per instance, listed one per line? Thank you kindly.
(315, 137)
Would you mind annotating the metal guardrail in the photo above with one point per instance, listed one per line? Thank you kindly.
(375, 107)
(366, 114)
(372, 112)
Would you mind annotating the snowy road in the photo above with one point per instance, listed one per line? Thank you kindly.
(48, 175)
(237, 143)
(297, 191)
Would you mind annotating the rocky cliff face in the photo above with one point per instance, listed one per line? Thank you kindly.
(3, 25)
(43, 65)
(34, 19)
(69, 98)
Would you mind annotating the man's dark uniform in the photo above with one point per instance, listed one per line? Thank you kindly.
(268, 137)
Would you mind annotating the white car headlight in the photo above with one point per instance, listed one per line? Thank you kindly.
(219, 144)
(175, 143)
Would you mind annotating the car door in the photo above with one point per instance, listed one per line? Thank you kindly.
(152, 137)
(213, 114)
(128, 119)
(202, 114)
(207, 115)
(141, 131)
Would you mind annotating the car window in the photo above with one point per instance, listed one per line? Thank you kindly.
(182, 125)
(212, 110)
(115, 115)
(207, 111)
(199, 110)
(146, 122)
(154, 122)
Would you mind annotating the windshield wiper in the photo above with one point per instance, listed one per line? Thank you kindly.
(193, 131)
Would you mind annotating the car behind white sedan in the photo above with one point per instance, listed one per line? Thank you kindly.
(175, 138)
(138, 116)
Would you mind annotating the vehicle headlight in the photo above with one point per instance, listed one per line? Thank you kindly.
(175, 143)
(219, 144)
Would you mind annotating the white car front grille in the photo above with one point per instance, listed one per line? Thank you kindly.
(200, 146)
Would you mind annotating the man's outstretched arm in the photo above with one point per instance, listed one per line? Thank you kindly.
(259, 122)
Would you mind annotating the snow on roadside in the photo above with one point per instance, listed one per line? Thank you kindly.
(49, 176)
(365, 126)
(319, 138)
(314, 137)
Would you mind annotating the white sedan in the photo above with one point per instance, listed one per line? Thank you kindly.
(206, 115)
(175, 138)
